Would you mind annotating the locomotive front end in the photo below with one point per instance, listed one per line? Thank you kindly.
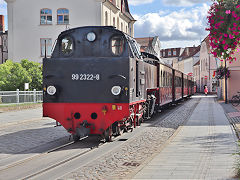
(86, 81)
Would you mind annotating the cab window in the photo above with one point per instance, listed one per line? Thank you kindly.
(67, 46)
(117, 45)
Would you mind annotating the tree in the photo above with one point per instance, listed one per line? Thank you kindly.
(224, 27)
(13, 76)
(34, 70)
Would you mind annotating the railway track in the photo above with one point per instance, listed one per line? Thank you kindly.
(32, 166)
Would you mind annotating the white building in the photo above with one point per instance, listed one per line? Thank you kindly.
(32, 23)
(208, 66)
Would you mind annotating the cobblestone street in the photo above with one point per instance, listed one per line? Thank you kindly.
(21, 132)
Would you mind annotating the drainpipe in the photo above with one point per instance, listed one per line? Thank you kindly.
(2, 47)
(209, 71)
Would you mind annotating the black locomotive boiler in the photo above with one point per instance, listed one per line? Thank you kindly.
(98, 82)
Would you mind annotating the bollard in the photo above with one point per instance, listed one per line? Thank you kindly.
(34, 96)
(17, 95)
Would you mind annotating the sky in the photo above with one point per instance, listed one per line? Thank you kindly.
(178, 23)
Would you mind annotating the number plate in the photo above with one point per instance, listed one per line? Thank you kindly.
(85, 77)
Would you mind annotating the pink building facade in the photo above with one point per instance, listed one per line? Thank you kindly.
(233, 83)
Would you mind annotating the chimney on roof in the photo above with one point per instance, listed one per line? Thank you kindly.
(2, 26)
(187, 51)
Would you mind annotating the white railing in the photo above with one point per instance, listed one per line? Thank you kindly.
(16, 97)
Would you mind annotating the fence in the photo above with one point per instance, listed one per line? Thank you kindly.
(15, 97)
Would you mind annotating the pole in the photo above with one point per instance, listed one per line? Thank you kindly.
(45, 49)
(209, 73)
(2, 47)
(226, 100)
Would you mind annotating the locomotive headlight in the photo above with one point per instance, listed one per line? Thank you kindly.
(116, 90)
(51, 90)
(91, 36)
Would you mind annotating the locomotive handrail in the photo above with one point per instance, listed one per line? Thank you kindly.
(117, 75)
(49, 76)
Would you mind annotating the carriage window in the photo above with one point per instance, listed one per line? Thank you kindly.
(67, 45)
(163, 78)
(117, 44)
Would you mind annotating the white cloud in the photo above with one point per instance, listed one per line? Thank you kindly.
(183, 25)
(3, 7)
(139, 2)
(182, 43)
(184, 3)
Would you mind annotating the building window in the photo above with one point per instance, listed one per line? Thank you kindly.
(169, 53)
(126, 29)
(63, 16)
(163, 53)
(118, 23)
(174, 52)
(46, 16)
(46, 44)
(121, 26)
(118, 3)
(106, 18)
(114, 22)
(123, 6)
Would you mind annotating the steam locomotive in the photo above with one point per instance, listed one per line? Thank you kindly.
(97, 82)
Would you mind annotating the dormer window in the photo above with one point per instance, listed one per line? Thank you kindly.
(46, 16)
(174, 52)
(169, 53)
(63, 16)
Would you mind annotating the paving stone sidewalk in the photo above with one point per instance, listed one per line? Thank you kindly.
(233, 115)
(203, 148)
(23, 130)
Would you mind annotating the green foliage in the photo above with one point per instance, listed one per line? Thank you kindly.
(222, 72)
(14, 75)
(35, 73)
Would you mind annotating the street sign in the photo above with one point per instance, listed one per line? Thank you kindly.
(26, 86)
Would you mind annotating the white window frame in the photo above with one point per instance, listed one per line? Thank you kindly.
(63, 15)
(46, 15)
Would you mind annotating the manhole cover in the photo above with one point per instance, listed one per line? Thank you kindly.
(131, 164)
